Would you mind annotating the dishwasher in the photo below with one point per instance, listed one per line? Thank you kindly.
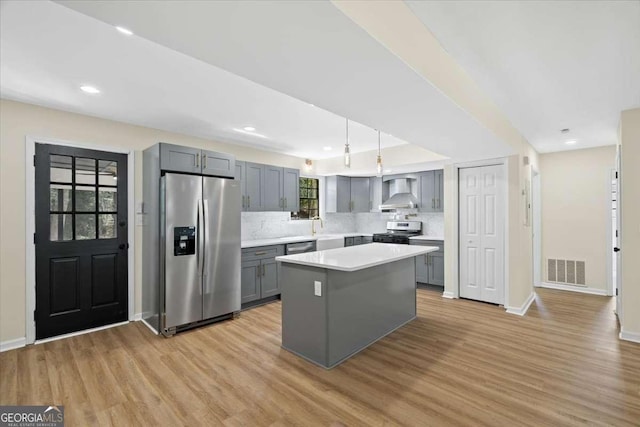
(300, 248)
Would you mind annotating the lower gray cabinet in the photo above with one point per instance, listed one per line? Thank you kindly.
(259, 273)
(357, 240)
(430, 267)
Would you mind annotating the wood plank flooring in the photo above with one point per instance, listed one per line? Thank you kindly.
(459, 363)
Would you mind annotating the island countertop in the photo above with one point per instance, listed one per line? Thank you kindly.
(354, 258)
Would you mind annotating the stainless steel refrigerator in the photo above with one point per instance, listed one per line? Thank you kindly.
(198, 248)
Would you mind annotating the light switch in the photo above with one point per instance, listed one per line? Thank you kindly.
(317, 288)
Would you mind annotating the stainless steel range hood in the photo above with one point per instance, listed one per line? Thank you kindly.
(401, 196)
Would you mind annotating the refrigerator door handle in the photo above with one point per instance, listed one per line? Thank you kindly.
(206, 240)
(201, 237)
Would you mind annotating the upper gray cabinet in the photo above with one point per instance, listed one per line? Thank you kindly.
(375, 193)
(218, 164)
(360, 195)
(268, 188)
(254, 182)
(345, 194)
(177, 158)
(273, 179)
(291, 189)
(432, 191)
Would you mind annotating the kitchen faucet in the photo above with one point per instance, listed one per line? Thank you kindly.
(313, 224)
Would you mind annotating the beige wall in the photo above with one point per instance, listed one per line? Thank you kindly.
(576, 209)
(630, 232)
(17, 120)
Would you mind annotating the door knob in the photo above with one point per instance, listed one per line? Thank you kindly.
(616, 249)
(123, 246)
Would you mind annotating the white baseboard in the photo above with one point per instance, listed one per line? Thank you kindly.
(522, 310)
(149, 326)
(629, 336)
(137, 317)
(12, 344)
(448, 294)
(86, 331)
(580, 289)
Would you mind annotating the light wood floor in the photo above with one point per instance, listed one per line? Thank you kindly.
(459, 363)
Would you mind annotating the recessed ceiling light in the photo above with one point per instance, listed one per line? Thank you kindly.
(89, 89)
(312, 105)
(249, 128)
(246, 132)
(388, 171)
(571, 142)
(125, 31)
(327, 148)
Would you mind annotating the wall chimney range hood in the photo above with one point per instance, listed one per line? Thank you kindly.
(401, 195)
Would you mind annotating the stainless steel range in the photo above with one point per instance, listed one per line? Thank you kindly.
(399, 232)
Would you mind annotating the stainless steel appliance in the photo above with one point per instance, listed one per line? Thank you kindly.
(191, 265)
(401, 193)
(399, 232)
(299, 248)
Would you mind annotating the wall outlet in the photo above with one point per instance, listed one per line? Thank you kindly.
(317, 288)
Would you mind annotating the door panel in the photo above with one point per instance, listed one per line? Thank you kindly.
(343, 194)
(291, 190)
(269, 280)
(250, 281)
(218, 164)
(240, 177)
(427, 194)
(221, 247)
(438, 190)
(254, 174)
(482, 234)
(273, 197)
(436, 272)
(360, 200)
(422, 275)
(81, 239)
(183, 273)
(177, 158)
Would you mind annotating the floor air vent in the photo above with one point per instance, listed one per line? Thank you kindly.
(566, 271)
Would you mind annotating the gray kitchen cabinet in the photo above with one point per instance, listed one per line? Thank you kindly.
(431, 186)
(259, 273)
(291, 189)
(240, 176)
(360, 194)
(218, 164)
(375, 193)
(273, 197)
(367, 239)
(177, 158)
(250, 281)
(338, 194)
(348, 241)
(269, 285)
(357, 240)
(430, 267)
(254, 177)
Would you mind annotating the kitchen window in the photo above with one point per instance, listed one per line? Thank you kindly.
(309, 199)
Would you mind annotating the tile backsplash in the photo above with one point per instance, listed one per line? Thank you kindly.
(266, 225)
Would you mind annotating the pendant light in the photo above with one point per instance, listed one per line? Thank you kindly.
(347, 151)
(379, 160)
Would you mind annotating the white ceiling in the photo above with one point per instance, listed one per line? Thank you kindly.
(313, 52)
(47, 51)
(548, 65)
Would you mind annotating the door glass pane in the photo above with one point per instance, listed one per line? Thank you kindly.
(108, 199)
(60, 198)
(85, 199)
(61, 227)
(107, 226)
(85, 226)
(60, 168)
(85, 171)
(107, 172)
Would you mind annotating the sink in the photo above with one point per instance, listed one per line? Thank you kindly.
(329, 242)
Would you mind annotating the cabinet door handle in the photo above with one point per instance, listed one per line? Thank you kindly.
(258, 271)
(263, 270)
(261, 253)
(198, 160)
(285, 202)
(426, 258)
(248, 201)
(243, 199)
(204, 161)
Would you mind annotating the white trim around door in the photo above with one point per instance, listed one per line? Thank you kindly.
(30, 226)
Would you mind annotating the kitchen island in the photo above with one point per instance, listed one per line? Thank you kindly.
(339, 301)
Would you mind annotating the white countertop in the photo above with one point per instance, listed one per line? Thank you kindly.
(294, 239)
(427, 237)
(355, 258)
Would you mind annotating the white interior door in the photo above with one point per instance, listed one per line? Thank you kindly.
(482, 202)
(617, 271)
